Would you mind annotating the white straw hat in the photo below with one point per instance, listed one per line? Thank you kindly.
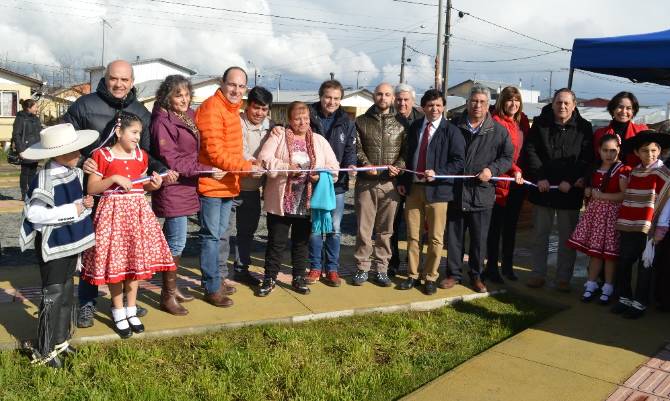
(59, 140)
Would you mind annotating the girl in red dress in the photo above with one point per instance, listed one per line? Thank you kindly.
(130, 245)
(596, 234)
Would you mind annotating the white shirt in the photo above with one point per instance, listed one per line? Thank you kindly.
(433, 127)
(41, 214)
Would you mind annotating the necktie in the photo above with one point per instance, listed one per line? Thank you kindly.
(423, 149)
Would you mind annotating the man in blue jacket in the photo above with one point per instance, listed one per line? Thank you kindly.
(434, 147)
(329, 120)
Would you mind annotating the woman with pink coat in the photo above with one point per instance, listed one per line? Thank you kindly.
(287, 194)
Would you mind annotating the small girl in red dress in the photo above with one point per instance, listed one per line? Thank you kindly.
(130, 245)
(596, 234)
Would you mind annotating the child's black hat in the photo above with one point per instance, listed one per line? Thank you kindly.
(647, 136)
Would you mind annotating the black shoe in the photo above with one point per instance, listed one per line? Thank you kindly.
(408, 284)
(266, 287)
(492, 276)
(382, 280)
(123, 333)
(619, 308)
(589, 296)
(141, 312)
(360, 277)
(510, 275)
(429, 287)
(391, 272)
(65, 349)
(299, 284)
(136, 328)
(55, 363)
(86, 315)
(242, 275)
(633, 313)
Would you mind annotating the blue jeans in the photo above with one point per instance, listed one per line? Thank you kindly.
(175, 233)
(214, 217)
(332, 249)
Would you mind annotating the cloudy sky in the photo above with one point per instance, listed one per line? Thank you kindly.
(301, 42)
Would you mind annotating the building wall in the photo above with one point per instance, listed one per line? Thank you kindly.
(6, 123)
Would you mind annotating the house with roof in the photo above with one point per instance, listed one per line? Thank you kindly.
(144, 70)
(463, 90)
(54, 103)
(13, 88)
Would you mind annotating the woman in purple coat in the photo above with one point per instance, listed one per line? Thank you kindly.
(175, 140)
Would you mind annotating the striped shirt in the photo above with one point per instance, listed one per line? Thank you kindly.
(647, 192)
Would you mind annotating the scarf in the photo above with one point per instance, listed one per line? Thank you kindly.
(312, 160)
(189, 123)
(322, 203)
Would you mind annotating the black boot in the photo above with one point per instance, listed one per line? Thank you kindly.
(48, 326)
(66, 315)
(299, 284)
(266, 287)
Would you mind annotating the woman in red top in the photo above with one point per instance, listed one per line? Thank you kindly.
(509, 195)
(623, 107)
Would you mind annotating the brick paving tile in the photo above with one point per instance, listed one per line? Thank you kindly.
(663, 389)
(640, 396)
(621, 394)
(656, 378)
(639, 377)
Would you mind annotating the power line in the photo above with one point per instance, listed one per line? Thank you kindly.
(509, 59)
(286, 17)
(560, 48)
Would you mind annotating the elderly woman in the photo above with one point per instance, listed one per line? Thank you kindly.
(509, 195)
(25, 133)
(175, 141)
(623, 107)
(287, 195)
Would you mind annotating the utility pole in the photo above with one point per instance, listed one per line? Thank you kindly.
(402, 61)
(102, 57)
(278, 81)
(255, 75)
(551, 73)
(445, 62)
(358, 73)
(439, 55)
(332, 76)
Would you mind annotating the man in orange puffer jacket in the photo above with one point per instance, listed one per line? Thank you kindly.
(218, 120)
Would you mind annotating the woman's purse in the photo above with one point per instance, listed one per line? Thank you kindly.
(13, 156)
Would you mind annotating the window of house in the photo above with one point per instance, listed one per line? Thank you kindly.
(8, 103)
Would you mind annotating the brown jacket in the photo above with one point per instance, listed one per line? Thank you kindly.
(380, 141)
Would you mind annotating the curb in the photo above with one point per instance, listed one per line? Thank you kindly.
(419, 306)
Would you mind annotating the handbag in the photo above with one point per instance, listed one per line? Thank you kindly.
(13, 156)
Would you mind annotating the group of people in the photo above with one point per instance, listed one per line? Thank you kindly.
(87, 206)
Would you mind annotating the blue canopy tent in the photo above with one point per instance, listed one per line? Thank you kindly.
(640, 58)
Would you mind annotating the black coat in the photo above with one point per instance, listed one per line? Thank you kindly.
(98, 111)
(341, 137)
(26, 131)
(444, 155)
(490, 148)
(558, 153)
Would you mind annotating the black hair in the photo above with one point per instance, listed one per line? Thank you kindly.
(229, 69)
(607, 177)
(430, 95)
(331, 84)
(169, 86)
(260, 96)
(124, 119)
(27, 103)
(614, 103)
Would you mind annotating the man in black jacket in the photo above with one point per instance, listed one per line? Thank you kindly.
(488, 153)
(329, 120)
(434, 147)
(98, 111)
(558, 153)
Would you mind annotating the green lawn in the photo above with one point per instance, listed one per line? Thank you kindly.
(374, 357)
